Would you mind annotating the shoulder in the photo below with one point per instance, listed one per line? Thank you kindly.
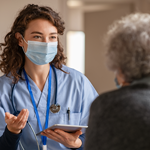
(5, 80)
(72, 74)
(5, 83)
(126, 98)
(77, 79)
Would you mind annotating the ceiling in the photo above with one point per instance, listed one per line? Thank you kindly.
(100, 5)
(110, 1)
(96, 5)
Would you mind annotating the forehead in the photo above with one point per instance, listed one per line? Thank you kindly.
(41, 25)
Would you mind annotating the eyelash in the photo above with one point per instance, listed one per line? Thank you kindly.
(37, 37)
(53, 37)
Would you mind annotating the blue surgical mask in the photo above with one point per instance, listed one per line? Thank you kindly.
(41, 53)
(117, 83)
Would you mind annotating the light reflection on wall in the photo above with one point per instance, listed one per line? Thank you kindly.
(76, 50)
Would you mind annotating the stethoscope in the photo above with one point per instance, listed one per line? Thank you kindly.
(54, 108)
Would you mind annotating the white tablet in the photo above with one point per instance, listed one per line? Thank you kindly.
(67, 128)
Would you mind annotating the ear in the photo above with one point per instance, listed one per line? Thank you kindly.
(19, 38)
(121, 79)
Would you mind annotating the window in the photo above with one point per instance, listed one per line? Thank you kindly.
(76, 50)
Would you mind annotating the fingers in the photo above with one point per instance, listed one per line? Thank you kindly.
(7, 115)
(64, 134)
(9, 118)
(52, 135)
(61, 132)
(22, 117)
(70, 140)
(16, 124)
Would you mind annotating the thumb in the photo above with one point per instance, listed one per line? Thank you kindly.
(7, 115)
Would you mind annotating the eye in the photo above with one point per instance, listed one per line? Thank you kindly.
(53, 37)
(37, 37)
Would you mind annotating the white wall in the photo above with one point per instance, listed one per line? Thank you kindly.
(96, 25)
(10, 8)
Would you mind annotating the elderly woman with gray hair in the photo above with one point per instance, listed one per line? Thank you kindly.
(120, 119)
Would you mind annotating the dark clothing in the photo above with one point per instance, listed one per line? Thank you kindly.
(120, 119)
(9, 141)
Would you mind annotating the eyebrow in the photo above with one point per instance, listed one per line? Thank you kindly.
(36, 32)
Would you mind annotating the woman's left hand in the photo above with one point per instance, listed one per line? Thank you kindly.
(70, 140)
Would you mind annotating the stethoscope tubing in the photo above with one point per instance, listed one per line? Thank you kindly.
(17, 112)
(13, 88)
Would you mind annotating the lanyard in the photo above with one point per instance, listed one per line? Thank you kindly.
(44, 138)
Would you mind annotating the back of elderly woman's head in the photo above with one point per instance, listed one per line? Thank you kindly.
(128, 46)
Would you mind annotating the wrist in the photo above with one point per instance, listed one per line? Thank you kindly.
(13, 131)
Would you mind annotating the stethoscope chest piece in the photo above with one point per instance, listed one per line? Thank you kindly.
(55, 108)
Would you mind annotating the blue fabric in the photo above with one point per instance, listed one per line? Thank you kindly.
(44, 138)
(74, 91)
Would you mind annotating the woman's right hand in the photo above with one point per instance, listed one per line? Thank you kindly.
(16, 123)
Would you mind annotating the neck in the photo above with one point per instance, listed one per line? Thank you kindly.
(38, 73)
(125, 84)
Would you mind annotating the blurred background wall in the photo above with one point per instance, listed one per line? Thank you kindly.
(86, 23)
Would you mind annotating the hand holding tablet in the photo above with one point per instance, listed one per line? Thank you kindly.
(67, 128)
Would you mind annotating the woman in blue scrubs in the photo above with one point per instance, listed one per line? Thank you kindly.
(38, 87)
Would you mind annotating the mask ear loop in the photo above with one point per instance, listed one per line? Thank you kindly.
(24, 39)
(26, 43)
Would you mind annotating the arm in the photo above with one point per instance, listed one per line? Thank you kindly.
(11, 135)
(9, 140)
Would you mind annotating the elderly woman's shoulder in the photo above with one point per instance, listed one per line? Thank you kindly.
(128, 95)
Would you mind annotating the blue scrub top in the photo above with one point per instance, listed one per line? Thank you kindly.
(74, 91)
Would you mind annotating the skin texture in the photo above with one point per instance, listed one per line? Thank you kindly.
(121, 79)
(16, 124)
(40, 30)
(70, 140)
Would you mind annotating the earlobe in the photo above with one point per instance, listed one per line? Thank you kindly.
(19, 38)
(121, 79)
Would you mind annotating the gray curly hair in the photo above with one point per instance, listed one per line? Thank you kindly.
(128, 46)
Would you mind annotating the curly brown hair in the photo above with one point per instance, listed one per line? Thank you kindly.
(13, 57)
